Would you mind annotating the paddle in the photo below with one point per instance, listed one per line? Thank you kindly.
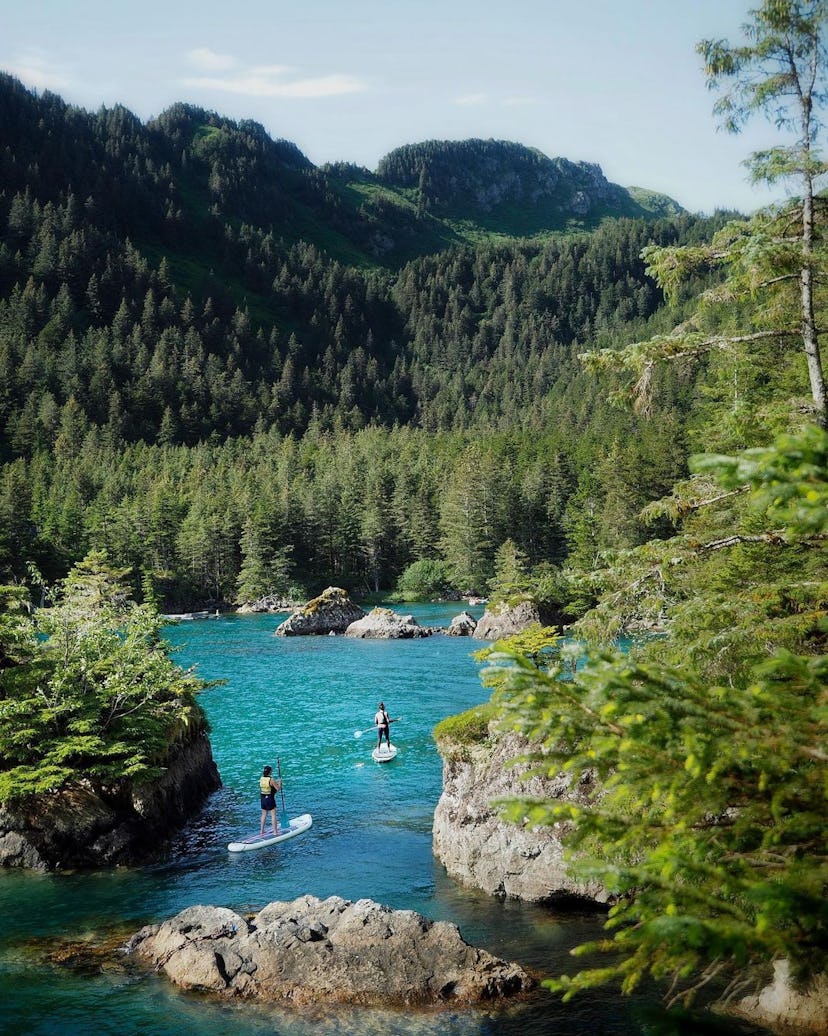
(359, 733)
(283, 817)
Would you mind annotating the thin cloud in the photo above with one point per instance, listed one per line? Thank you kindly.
(266, 80)
(33, 68)
(209, 60)
(469, 99)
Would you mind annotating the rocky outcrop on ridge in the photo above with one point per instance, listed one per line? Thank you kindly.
(505, 620)
(462, 625)
(332, 611)
(87, 825)
(332, 950)
(385, 624)
(481, 850)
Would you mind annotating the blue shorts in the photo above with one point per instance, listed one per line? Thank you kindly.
(268, 801)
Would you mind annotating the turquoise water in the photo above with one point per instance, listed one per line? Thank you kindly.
(299, 700)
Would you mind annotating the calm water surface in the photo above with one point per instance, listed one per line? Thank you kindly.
(299, 700)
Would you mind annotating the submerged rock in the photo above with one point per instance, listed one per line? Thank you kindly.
(332, 950)
(332, 611)
(385, 624)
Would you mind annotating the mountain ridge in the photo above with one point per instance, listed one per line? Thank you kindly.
(422, 198)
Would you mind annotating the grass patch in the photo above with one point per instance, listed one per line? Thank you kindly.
(467, 728)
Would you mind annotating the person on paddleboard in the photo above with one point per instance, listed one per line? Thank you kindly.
(383, 725)
(268, 788)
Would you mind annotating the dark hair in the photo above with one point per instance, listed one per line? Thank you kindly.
(267, 771)
(380, 706)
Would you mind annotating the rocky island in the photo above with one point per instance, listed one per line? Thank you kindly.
(332, 950)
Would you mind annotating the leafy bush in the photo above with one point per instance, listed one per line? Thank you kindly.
(424, 580)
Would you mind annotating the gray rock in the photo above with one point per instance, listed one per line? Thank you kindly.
(332, 950)
(87, 825)
(481, 850)
(462, 625)
(505, 620)
(385, 624)
(331, 612)
(784, 1008)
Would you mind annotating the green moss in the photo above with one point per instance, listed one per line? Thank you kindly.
(468, 728)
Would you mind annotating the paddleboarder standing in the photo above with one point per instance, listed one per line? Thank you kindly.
(383, 725)
(268, 788)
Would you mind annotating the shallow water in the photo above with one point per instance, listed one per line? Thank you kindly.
(299, 701)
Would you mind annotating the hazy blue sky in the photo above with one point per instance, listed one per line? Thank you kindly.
(615, 82)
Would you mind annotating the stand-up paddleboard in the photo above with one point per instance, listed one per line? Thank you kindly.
(257, 841)
(384, 754)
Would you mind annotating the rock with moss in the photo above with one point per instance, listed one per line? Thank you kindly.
(332, 950)
(89, 824)
(476, 845)
(332, 611)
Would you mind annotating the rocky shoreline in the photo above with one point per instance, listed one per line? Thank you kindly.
(90, 825)
(481, 850)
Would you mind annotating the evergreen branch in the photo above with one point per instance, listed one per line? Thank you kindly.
(673, 997)
(776, 539)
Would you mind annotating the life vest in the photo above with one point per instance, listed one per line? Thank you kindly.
(264, 785)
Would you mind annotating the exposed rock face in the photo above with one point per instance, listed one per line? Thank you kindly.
(487, 175)
(501, 620)
(333, 950)
(785, 1009)
(462, 625)
(86, 825)
(385, 624)
(331, 612)
(479, 849)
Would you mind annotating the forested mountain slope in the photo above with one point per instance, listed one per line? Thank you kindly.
(192, 282)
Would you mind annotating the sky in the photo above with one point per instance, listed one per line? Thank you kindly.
(615, 82)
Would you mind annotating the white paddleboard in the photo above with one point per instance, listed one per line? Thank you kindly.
(384, 754)
(257, 841)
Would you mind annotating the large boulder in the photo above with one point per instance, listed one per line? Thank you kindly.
(332, 611)
(385, 624)
(480, 849)
(89, 825)
(503, 619)
(332, 950)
